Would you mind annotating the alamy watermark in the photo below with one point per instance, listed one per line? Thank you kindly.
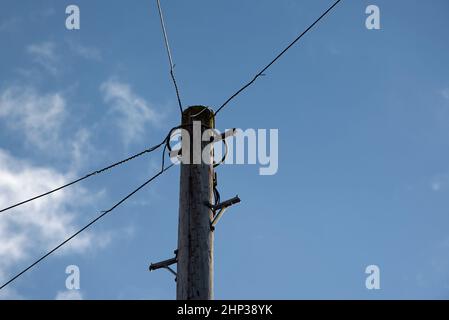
(73, 21)
(372, 282)
(372, 22)
(72, 282)
(250, 146)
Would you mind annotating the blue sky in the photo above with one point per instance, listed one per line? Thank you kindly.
(363, 119)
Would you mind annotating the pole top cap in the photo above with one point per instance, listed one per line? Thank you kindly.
(199, 113)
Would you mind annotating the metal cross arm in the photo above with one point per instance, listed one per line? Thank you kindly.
(166, 264)
(222, 207)
(163, 264)
(225, 204)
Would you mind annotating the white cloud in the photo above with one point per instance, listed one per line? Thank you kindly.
(88, 53)
(81, 148)
(10, 294)
(134, 111)
(39, 225)
(439, 182)
(38, 117)
(69, 295)
(45, 54)
(41, 119)
(44, 50)
(29, 230)
(436, 186)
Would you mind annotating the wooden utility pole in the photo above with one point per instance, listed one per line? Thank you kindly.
(195, 255)
(200, 207)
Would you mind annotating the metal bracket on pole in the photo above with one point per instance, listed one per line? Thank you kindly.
(224, 204)
(166, 265)
(221, 208)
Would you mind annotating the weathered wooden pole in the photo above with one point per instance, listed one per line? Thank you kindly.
(195, 270)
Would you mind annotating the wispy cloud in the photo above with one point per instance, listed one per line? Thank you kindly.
(44, 50)
(45, 55)
(41, 118)
(9, 294)
(26, 230)
(38, 117)
(135, 113)
(85, 52)
(81, 148)
(439, 182)
(69, 295)
(40, 224)
(435, 185)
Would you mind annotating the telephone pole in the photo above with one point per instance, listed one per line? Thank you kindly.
(195, 256)
(200, 207)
